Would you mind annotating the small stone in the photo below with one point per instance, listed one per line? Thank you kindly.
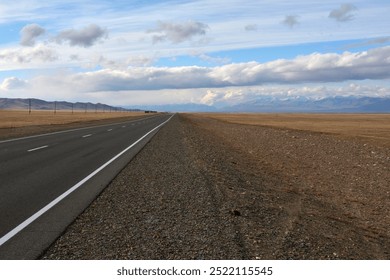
(236, 213)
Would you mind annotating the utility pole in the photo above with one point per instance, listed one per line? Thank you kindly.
(29, 106)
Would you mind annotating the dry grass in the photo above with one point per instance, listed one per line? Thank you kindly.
(15, 119)
(373, 127)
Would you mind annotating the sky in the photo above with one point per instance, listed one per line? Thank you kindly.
(220, 52)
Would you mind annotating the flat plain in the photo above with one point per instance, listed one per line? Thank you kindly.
(237, 186)
(372, 127)
(12, 119)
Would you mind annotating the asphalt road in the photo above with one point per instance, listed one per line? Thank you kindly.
(43, 177)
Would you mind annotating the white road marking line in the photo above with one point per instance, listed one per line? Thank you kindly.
(123, 126)
(109, 129)
(24, 224)
(88, 135)
(38, 148)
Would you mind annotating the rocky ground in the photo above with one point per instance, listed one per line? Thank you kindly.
(206, 189)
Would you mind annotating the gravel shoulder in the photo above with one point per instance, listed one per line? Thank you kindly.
(207, 189)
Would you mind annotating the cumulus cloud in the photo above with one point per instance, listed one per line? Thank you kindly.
(226, 97)
(231, 96)
(177, 32)
(85, 37)
(291, 21)
(29, 33)
(316, 67)
(343, 13)
(144, 78)
(39, 53)
(12, 83)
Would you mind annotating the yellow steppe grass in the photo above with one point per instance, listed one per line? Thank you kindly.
(13, 119)
(374, 127)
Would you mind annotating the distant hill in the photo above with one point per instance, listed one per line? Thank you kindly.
(38, 104)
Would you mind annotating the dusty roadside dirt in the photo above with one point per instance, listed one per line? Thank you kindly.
(207, 189)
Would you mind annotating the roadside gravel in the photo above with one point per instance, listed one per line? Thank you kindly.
(206, 189)
(160, 206)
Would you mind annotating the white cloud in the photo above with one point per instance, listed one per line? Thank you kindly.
(226, 97)
(12, 83)
(314, 68)
(331, 67)
(232, 96)
(142, 78)
(39, 53)
(29, 33)
(343, 13)
(177, 32)
(85, 37)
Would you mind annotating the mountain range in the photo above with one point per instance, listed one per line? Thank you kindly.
(262, 104)
(38, 104)
(296, 104)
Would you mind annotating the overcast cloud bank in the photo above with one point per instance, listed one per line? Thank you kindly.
(315, 68)
(227, 84)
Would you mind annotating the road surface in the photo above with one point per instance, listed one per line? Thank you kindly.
(47, 180)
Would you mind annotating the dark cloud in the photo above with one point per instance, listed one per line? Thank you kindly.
(29, 33)
(85, 37)
(291, 21)
(177, 32)
(343, 13)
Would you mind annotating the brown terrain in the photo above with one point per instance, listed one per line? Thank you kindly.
(245, 187)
